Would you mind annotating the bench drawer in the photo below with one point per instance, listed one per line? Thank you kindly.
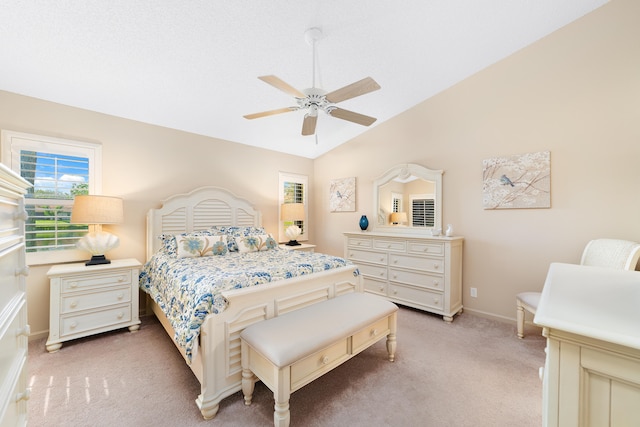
(314, 366)
(370, 334)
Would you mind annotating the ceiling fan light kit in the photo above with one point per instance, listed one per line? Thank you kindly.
(314, 99)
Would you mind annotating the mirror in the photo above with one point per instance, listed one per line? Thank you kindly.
(408, 199)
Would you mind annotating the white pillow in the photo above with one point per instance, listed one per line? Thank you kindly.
(258, 242)
(191, 246)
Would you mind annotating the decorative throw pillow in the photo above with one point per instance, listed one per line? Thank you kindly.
(255, 243)
(195, 245)
(233, 232)
(169, 244)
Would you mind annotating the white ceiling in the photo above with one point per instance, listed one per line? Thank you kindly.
(193, 65)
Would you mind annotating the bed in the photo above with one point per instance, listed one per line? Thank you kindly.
(214, 354)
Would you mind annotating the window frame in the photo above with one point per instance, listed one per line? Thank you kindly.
(284, 177)
(14, 142)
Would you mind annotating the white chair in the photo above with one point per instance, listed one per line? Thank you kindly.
(612, 253)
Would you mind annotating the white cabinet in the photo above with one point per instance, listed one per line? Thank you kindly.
(304, 247)
(87, 300)
(592, 369)
(14, 330)
(416, 271)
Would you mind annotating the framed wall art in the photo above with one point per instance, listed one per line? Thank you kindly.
(342, 195)
(517, 182)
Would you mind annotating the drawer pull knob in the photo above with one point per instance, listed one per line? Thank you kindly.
(436, 266)
(25, 395)
(73, 304)
(120, 315)
(395, 276)
(325, 360)
(382, 273)
(381, 259)
(73, 284)
(22, 271)
(120, 295)
(436, 283)
(395, 261)
(22, 215)
(25, 331)
(374, 332)
(381, 288)
(395, 291)
(73, 325)
(121, 279)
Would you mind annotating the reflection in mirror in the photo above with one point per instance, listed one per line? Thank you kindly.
(408, 199)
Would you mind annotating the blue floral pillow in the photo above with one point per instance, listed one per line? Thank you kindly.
(193, 246)
(255, 243)
(169, 244)
(234, 231)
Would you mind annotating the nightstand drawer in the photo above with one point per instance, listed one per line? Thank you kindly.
(96, 320)
(70, 284)
(76, 302)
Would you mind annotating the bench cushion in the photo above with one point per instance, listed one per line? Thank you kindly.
(292, 336)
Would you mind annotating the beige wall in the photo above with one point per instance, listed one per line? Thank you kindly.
(575, 93)
(145, 164)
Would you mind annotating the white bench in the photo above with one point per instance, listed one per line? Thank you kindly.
(293, 349)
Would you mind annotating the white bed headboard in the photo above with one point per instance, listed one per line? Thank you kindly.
(198, 210)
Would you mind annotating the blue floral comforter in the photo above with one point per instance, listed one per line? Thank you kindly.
(188, 289)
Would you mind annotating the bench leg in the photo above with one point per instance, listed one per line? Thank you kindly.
(391, 338)
(281, 414)
(248, 378)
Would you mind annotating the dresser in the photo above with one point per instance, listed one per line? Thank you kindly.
(416, 271)
(591, 375)
(86, 300)
(14, 330)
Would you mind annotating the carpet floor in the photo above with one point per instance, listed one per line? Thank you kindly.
(472, 372)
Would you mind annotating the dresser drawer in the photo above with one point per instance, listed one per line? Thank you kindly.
(375, 271)
(367, 256)
(370, 334)
(10, 282)
(432, 281)
(311, 367)
(110, 278)
(375, 286)
(390, 245)
(70, 325)
(418, 248)
(360, 242)
(434, 265)
(13, 341)
(85, 301)
(412, 295)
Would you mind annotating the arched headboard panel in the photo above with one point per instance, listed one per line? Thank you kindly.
(198, 210)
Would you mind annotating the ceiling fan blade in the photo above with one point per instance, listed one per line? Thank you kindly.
(309, 124)
(358, 118)
(282, 85)
(270, 113)
(361, 87)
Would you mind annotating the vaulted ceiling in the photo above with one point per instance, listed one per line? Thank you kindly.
(193, 65)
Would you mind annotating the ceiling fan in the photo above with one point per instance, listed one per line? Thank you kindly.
(316, 99)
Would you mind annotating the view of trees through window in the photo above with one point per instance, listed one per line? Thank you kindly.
(56, 180)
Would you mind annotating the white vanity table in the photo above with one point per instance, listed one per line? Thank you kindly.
(591, 318)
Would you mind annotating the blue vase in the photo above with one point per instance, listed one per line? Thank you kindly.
(364, 222)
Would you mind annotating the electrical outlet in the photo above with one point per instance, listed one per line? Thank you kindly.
(474, 292)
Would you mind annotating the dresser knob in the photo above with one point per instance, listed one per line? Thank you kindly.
(395, 291)
(381, 273)
(436, 283)
(325, 360)
(120, 315)
(121, 279)
(381, 288)
(73, 304)
(120, 295)
(73, 325)
(22, 271)
(381, 259)
(395, 261)
(436, 266)
(25, 331)
(22, 215)
(395, 276)
(25, 395)
(73, 284)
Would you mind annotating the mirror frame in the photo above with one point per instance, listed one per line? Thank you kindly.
(405, 171)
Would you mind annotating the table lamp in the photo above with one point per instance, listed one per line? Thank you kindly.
(96, 211)
(397, 218)
(290, 212)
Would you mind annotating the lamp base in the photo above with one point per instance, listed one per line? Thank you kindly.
(293, 243)
(97, 260)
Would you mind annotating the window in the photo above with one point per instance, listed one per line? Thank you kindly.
(293, 188)
(58, 169)
(422, 211)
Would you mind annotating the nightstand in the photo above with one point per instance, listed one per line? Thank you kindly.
(306, 247)
(87, 300)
